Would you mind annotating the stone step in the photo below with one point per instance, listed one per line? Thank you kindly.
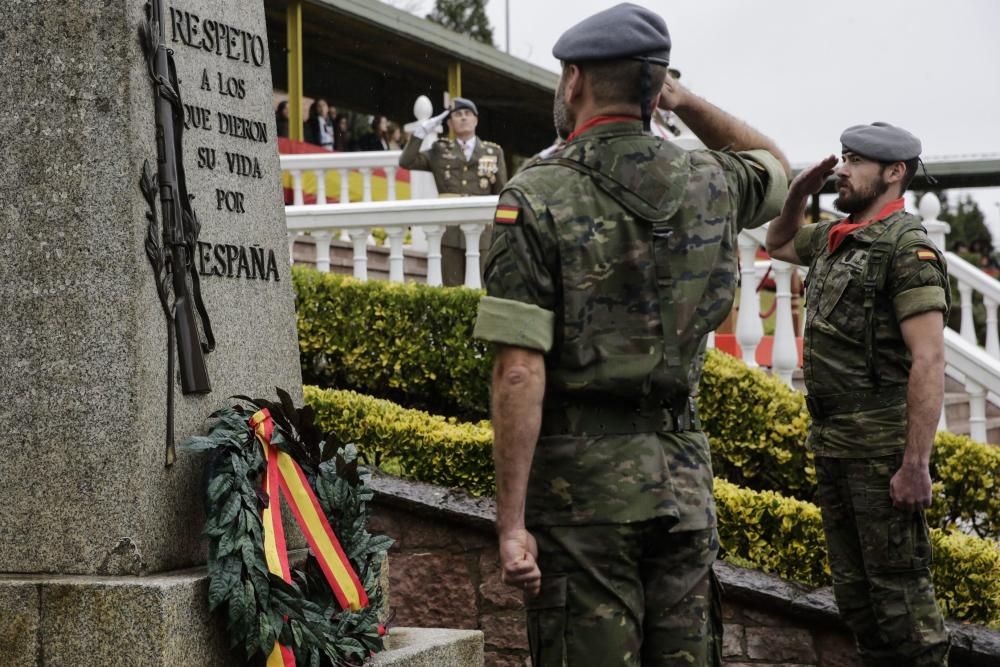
(431, 647)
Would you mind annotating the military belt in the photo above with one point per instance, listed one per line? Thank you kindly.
(620, 418)
(855, 401)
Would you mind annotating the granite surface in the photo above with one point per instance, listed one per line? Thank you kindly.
(431, 647)
(83, 347)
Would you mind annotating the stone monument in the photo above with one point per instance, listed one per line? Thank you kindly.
(97, 533)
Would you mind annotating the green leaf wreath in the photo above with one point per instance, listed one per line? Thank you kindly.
(261, 608)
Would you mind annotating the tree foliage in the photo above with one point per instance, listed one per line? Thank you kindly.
(467, 17)
(968, 226)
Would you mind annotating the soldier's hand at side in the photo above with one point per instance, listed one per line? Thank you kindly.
(811, 179)
(910, 488)
(518, 561)
(672, 94)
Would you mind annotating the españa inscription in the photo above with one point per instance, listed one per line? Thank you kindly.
(103, 532)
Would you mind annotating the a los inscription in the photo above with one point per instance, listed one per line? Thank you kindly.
(235, 46)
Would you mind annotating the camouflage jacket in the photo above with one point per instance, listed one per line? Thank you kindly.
(616, 257)
(485, 173)
(835, 351)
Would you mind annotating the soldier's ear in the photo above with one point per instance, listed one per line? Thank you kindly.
(573, 77)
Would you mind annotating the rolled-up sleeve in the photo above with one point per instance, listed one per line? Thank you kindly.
(518, 308)
(918, 279)
(758, 183)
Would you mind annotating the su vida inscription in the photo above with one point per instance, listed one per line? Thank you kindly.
(232, 46)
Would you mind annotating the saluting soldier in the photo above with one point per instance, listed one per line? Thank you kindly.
(463, 166)
(613, 258)
(874, 370)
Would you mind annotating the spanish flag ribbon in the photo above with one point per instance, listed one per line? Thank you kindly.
(285, 475)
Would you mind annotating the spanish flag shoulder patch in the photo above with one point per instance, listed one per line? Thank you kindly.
(925, 254)
(507, 215)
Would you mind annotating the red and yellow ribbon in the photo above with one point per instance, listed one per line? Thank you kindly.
(285, 475)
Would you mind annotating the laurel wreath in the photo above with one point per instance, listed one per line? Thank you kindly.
(260, 607)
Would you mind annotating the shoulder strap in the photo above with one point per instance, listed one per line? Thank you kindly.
(873, 281)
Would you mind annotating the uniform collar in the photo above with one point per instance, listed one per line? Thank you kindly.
(606, 125)
(865, 231)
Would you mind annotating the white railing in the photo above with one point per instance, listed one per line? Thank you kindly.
(323, 222)
(343, 163)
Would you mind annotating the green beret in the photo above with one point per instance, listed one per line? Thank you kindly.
(624, 31)
(463, 103)
(881, 141)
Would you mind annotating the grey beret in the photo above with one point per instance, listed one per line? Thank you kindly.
(881, 141)
(624, 31)
(463, 103)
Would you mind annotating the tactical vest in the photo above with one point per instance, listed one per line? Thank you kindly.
(852, 333)
(647, 255)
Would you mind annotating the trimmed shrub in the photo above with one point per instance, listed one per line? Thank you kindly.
(413, 345)
(965, 491)
(425, 447)
(757, 426)
(408, 343)
(761, 529)
(967, 577)
(770, 532)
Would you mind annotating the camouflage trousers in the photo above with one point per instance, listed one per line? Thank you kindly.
(625, 595)
(880, 558)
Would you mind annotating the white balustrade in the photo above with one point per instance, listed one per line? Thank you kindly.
(433, 234)
(749, 330)
(470, 214)
(784, 352)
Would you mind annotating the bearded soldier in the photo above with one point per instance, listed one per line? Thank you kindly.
(613, 257)
(878, 298)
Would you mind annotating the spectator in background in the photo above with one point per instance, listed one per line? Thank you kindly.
(341, 134)
(316, 130)
(378, 138)
(395, 137)
(281, 118)
(331, 117)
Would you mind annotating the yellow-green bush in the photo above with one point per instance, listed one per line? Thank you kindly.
(426, 447)
(762, 529)
(966, 490)
(408, 343)
(967, 576)
(413, 344)
(757, 427)
(780, 535)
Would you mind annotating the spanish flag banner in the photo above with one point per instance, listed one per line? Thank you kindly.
(285, 476)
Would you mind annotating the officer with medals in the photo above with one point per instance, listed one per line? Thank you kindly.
(613, 258)
(463, 166)
(878, 297)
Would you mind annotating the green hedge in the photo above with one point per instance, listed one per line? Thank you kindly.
(756, 425)
(762, 529)
(418, 445)
(413, 345)
(408, 343)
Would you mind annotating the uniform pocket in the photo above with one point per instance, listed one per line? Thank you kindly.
(547, 623)
(841, 303)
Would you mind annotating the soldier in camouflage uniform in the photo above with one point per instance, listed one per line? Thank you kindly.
(878, 298)
(612, 260)
(463, 166)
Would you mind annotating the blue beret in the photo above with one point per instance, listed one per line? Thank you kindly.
(463, 103)
(624, 31)
(881, 141)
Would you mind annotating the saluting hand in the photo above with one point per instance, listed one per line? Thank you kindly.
(672, 93)
(519, 567)
(811, 179)
(910, 488)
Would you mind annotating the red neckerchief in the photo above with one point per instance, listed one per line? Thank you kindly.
(598, 120)
(843, 229)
